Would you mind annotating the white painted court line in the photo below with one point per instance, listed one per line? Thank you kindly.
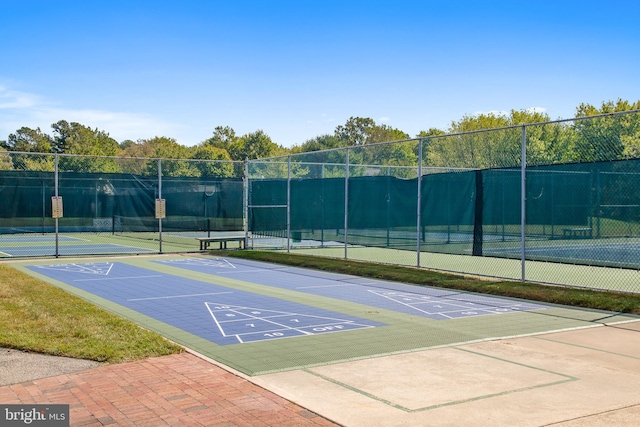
(216, 262)
(328, 324)
(179, 296)
(328, 286)
(91, 268)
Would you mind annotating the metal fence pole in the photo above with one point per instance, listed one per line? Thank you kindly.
(346, 203)
(245, 202)
(44, 206)
(419, 220)
(288, 203)
(55, 186)
(160, 198)
(523, 200)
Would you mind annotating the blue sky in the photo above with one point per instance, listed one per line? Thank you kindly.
(297, 69)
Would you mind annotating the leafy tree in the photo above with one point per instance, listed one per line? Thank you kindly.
(255, 145)
(320, 157)
(546, 143)
(360, 131)
(174, 155)
(430, 132)
(124, 145)
(470, 123)
(162, 147)
(550, 143)
(607, 138)
(135, 157)
(220, 164)
(62, 134)
(355, 131)
(28, 140)
(473, 150)
(463, 147)
(140, 149)
(319, 143)
(585, 110)
(74, 138)
(5, 159)
(384, 133)
(425, 137)
(223, 138)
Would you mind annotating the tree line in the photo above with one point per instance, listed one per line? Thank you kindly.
(607, 138)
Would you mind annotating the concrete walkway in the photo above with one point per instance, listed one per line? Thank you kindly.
(586, 377)
(583, 377)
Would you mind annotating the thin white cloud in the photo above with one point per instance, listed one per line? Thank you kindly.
(327, 119)
(20, 109)
(384, 119)
(10, 99)
(119, 125)
(323, 119)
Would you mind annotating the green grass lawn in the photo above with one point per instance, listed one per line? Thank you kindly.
(38, 317)
(576, 297)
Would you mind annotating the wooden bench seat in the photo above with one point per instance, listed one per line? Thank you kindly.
(576, 232)
(205, 242)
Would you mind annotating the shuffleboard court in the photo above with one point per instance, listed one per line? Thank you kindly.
(258, 318)
(433, 303)
(216, 313)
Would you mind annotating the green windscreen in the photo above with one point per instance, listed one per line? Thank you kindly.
(113, 202)
(572, 207)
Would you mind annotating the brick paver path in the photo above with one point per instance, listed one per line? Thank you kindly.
(176, 390)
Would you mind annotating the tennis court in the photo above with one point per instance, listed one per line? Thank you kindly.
(103, 243)
(258, 318)
(621, 252)
(23, 245)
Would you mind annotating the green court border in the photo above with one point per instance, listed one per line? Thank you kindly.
(404, 333)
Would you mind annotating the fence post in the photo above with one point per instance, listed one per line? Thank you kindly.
(245, 202)
(288, 204)
(418, 215)
(346, 203)
(55, 190)
(478, 219)
(523, 200)
(160, 198)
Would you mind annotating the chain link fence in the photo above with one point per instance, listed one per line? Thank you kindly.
(57, 205)
(555, 202)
